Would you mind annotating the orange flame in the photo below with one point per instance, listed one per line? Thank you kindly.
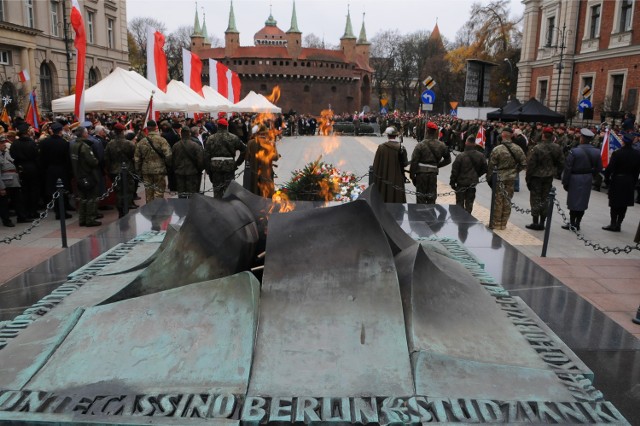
(281, 203)
(325, 122)
(274, 97)
(265, 156)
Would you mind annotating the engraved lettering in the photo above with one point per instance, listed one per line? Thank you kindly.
(253, 410)
(365, 410)
(418, 409)
(465, 411)
(490, 411)
(146, 406)
(280, 410)
(9, 399)
(547, 413)
(336, 410)
(306, 410)
(223, 406)
(199, 406)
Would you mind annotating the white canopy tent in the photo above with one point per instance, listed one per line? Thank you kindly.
(122, 90)
(255, 102)
(222, 103)
(177, 90)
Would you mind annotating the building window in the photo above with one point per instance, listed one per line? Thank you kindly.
(334, 89)
(551, 26)
(543, 91)
(617, 84)
(626, 12)
(29, 13)
(93, 77)
(54, 18)
(306, 88)
(111, 42)
(5, 57)
(586, 81)
(90, 24)
(263, 87)
(46, 88)
(594, 27)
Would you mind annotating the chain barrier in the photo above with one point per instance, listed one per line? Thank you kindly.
(595, 246)
(167, 191)
(440, 194)
(514, 206)
(36, 222)
(99, 198)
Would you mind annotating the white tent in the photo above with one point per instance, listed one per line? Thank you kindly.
(222, 104)
(124, 91)
(177, 90)
(255, 102)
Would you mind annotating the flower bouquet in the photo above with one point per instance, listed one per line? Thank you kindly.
(320, 181)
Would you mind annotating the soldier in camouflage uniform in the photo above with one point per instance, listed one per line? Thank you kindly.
(466, 170)
(536, 135)
(86, 171)
(220, 157)
(188, 163)
(545, 161)
(509, 160)
(152, 159)
(118, 151)
(427, 157)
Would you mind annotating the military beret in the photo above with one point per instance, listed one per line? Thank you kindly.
(547, 129)
(223, 122)
(432, 125)
(119, 126)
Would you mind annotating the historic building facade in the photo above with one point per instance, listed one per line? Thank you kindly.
(310, 79)
(571, 44)
(36, 35)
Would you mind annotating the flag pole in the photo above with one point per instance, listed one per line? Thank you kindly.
(146, 113)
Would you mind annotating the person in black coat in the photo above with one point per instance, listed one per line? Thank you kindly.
(25, 156)
(56, 163)
(171, 133)
(621, 176)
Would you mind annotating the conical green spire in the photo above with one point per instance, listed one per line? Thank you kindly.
(363, 33)
(232, 21)
(294, 20)
(196, 24)
(204, 30)
(348, 30)
(271, 22)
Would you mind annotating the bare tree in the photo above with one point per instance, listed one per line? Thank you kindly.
(384, 46)
(313, 41)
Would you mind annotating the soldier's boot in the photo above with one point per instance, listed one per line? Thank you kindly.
(535, 225)
(572, 221)
(614, 226)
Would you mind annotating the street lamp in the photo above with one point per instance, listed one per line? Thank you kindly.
(510, 76)
(562, 39)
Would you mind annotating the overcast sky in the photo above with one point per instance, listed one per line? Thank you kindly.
(321, 17)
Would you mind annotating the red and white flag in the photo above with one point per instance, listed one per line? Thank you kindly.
(24, 76)
(192, 71)
(157, 68)
(225, 81)
(481, 138)
(80, 42)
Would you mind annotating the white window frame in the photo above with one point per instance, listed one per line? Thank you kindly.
(53, 13)
(111, 32)
(617, 17)
(30, 17)
(551, 10)
(587, 25)
(91, 24)
(539, 81)
(5, 57)
(609, 91)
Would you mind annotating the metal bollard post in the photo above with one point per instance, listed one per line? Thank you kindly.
(246, 178)
(61, 212)
(370, 175)
(494, 183)
(547, 225)
(123, 181)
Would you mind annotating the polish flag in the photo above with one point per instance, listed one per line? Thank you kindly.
(481, 138)
(225, 81)
(24, 76)
(157, 68)
(192, 71)
(610, 143)
(80, 42)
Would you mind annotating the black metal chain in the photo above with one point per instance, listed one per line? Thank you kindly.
(595, 246)
(440, 194)
(104, 196)
(36, 222)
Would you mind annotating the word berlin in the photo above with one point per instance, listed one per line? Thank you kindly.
(263, 410)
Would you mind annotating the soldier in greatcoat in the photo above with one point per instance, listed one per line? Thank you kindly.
(509, 160)
(118, 151)
(388, 168)
(581, 165)
(188, 163)
(56, 164)
(621, 175)
(427, 157)
(545, 161)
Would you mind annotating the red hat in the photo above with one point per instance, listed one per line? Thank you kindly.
(222, 114)
(119, 126)
(223, 122)
(432, 125)
(547, 130)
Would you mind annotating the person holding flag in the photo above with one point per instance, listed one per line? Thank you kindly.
(621, 176)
